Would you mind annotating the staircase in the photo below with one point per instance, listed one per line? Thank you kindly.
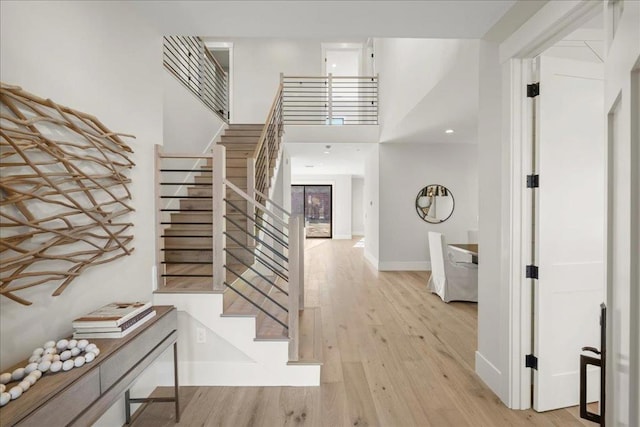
(255, 314)
(187, 241)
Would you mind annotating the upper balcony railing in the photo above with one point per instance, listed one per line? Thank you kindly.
(330, 100)
(188, 59)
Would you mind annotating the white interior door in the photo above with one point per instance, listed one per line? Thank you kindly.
(569, 228)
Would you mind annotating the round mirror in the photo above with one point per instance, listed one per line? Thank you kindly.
(434, 203)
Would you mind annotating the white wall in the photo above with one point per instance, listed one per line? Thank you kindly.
(256, 68)
(341, 194)
(492, 353)
(357, 206)
(99, 58)
(416, 70)
(371, 206)
(188, 125)
(404, 170)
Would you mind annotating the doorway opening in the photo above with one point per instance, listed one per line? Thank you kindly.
(314, 203)
(222, 53)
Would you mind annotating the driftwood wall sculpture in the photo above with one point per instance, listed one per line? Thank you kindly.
(63, 193)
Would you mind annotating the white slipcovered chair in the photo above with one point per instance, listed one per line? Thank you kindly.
(452, 281)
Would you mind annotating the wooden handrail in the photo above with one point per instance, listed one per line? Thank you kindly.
(254, 203)
(264, 196)
(263, 135)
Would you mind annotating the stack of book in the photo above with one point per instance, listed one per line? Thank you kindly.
(114, 320)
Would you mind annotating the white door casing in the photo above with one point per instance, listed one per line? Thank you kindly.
(622, 108)
(569, 228)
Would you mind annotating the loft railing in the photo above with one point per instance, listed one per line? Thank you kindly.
(330, 100)
(188, 59)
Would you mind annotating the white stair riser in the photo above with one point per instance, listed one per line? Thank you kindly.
(207, 309)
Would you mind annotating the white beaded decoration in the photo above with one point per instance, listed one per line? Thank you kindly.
(52, 357)
(17, 374)
(30, 368)
(15, 392)
(31, 379)
(67, 365)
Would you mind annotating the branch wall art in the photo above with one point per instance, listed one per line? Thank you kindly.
(64, 196)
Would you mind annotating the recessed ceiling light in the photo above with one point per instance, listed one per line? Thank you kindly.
(326, 152)
(333, 65)
(448, 131)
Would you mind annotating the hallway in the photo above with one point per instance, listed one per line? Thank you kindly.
(394, 355)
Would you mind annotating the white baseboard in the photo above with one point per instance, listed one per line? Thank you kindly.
(357, 233)
(370, 258)
(342, 237)
(491, 375)
(405, 266)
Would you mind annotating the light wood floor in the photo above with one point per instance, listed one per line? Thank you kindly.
(394, 355)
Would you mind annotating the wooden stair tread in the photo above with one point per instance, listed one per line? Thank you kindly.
(250, 126)
(266, 327)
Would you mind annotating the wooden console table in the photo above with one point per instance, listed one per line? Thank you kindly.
(80, 396)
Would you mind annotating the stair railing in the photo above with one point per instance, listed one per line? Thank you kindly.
(262, 163)
(275, 239)
(189, 60)
(174, 173)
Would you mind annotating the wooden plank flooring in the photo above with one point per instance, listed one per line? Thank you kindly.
(393, 354)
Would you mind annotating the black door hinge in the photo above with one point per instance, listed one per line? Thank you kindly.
(530, 361)
(533, 181)
(372, 55)
(533, 90)
(532, 272)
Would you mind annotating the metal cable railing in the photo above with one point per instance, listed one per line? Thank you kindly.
(188, 59)
(207, 226)
(268, 147)
(183, 223)
(330, 100)
(279, 239)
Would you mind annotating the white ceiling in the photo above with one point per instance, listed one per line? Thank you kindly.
(429, 19)
(343, 158)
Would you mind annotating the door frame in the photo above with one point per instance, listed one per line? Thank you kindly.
(553, 22)
(304, 207)
(357, 47)
(229, 46)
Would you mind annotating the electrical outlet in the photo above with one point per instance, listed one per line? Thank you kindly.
(201, 336)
